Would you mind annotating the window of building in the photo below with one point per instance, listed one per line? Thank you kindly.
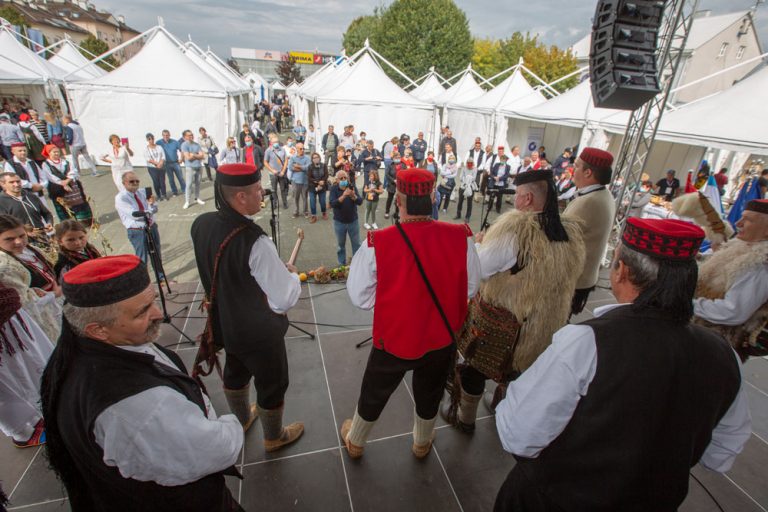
(740, 53)
(723, 49)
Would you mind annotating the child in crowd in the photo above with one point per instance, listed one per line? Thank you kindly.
(372, 192)
(74, 249)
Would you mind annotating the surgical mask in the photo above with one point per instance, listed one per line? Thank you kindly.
(290, 144)
(276, 145)
(249, 143)
(343, 183)
(397, 160)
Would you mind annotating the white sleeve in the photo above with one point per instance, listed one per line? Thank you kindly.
(744, 297)
(731, 434)
(540, 403)
(361, 281)
(160, 436)
(281, 286)
(567, 195)
(47, 175)
(124, 211)
(474, 268)
(495, 258)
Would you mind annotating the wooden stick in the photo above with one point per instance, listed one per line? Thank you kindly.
(295, 252)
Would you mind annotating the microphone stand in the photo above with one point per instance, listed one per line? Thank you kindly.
(160, 275)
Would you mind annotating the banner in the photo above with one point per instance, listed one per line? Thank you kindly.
(535, 136)
(302, 57)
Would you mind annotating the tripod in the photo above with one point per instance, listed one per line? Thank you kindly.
(491, 195)
(160, 276)
(274, 225)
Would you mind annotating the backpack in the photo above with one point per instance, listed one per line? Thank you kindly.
(34, 146)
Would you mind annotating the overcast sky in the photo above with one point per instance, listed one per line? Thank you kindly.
(285, 25)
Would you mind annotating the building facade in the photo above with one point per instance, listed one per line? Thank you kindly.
(77, 19)
(265, 62)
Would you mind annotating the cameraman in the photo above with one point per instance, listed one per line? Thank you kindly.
(132, 200)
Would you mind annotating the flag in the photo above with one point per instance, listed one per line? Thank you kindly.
(688, 185)
(749, 191)
(712, 193)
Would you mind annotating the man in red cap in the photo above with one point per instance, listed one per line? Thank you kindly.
(595, 207)
(732, 295)
(610, 418)
(127, 429)
(416, 266)
(248, 292)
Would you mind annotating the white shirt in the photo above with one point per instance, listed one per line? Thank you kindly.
(30, 173)
(159, 436)
(495, 258)
(748, 293)
(281, 287)
(125, 204)
(156, 154)
(514, 163)
(541, 402)
(361, 283)
(589, 188)
(49, 176)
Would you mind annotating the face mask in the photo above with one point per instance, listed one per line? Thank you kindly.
(249, 143)
(397, 160)
(430, 158)
(343, 183)
(276, 145)
(290, 144)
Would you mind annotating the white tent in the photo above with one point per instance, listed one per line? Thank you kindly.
(730, 120)
(463, 91)
(368, 99)
(324, 80)
(277, 85)
(74, 63)
(259, 85)
(429, 88)
(292, 91)
(161, 87)
(24, 74)
(481, 117)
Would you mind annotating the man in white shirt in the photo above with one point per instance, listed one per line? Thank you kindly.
(134, 200)
(610, 417)
(32, 176)
(127, 428)
(77, 145)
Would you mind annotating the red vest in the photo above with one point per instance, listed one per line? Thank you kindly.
(406, 323)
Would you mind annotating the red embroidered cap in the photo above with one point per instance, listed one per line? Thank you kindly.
(757, 205)
(237, 175)
(665, 239)
(105, 281)
(596, 157)
(18, 145)
(415, 182)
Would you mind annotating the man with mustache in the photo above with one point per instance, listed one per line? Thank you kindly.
(127, 429)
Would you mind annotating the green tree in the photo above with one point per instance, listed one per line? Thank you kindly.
(486, 54)
(357, 32)
(288, 71)
(13, 16)
(552, 63)
(414, 35)
(97, 47)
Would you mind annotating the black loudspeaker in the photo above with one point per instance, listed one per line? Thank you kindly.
(622, 59)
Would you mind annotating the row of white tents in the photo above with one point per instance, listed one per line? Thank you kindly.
(168, 84)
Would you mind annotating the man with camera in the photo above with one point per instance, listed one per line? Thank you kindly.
(136, 208)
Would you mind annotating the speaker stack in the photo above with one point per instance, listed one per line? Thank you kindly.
(622, 59)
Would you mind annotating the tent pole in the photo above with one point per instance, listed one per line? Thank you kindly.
(500, 73)
(547, 86)
(50, 47)
(377, 54)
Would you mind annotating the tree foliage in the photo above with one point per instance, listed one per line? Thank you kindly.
(97, 47)
(288, 71)
(415, 35)
(492, 56)
(13, 16)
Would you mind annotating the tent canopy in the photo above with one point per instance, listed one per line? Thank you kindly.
(278, 85)
(429, 88)
(513, 92)
(731, 119)
(20, 65)
(74, 63)
(466, 89)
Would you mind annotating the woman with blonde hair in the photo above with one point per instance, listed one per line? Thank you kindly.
(231, 153)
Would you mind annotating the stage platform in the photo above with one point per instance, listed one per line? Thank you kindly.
(463, 473)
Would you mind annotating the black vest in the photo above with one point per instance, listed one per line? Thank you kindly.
(646, 420)
(242, 319)
(101, 376)
(24, 175)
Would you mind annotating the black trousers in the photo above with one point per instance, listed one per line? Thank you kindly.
(268, 365)
(445, 193)
(390, 199)
(384, 372)
(472, 380)
(461, 202)
(517, 494)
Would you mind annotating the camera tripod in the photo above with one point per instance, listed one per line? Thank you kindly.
(160, 276)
